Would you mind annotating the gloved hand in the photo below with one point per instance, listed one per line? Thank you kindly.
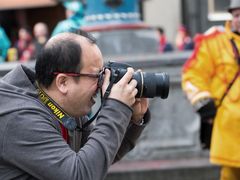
(208, 109)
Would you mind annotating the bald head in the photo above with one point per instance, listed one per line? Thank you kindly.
(68, 36)
(62, 53)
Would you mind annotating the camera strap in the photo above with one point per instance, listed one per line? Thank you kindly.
(114, 75)
(62, 117)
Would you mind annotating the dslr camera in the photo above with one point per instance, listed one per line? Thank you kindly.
(149, 85)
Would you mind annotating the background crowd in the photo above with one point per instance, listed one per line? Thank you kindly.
(29, 41)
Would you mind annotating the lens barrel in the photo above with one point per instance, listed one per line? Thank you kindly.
(149, 85)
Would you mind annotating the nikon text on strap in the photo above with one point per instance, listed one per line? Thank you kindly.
(66, 120)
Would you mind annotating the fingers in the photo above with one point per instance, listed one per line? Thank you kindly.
(139, 108)
(106, 80)
(125, 89)
(127, 77)
(132, 87)
(138, 99)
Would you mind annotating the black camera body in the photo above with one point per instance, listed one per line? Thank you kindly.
(149, 85)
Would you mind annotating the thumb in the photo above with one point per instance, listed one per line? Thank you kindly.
(106, 80)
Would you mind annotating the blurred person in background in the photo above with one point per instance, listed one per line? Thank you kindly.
(4, 45)
(211, 81)
(183, 40)
(74, 17)
(40, 32)
(164, 45)
(25, 45)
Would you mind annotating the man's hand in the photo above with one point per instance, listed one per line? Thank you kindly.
(139, 109)
(124, 90)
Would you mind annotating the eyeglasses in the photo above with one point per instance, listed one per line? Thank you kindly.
(78, 74)
(99, 76)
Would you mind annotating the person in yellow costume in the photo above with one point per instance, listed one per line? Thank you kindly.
(211, 81)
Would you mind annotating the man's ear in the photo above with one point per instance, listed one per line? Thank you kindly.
(61, 83)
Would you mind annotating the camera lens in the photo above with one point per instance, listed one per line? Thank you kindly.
(151, 85)
(162, 84)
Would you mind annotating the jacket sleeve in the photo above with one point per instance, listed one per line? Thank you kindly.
(33, 145)
(131, 136)
(133, 133)
(198, 71)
